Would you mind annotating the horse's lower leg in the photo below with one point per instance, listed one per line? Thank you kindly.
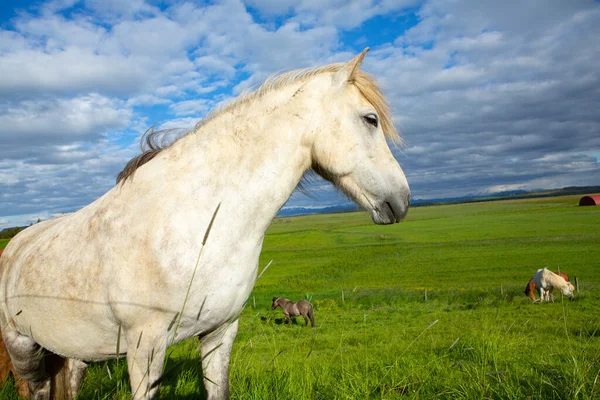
(305, 319)
(311, 315)
(28, 360)
(216, 349)
(145, 360)
(66, 376)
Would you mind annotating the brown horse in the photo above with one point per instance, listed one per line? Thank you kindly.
(7, 368)
(65, 379)
(289, 308)
(531, 288)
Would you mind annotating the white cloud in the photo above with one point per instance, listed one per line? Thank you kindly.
(147, 100)
(341, 13)
(60, 120)
(73, 70)
(180, 124)
(191, 107)
(221, 66)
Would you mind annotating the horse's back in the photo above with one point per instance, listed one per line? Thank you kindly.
(304, 306)
(22, 248)
(546, 279)
(28, 237)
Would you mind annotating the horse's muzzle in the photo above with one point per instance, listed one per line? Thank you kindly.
(393, 209)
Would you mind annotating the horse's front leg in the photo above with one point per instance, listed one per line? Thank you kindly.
(541, 295)
(216, 349)
(145, 359)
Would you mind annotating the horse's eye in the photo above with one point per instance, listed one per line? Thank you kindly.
(372, 119)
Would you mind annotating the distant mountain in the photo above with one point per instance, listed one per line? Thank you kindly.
(510, 194)
(471, 198)
(340, 208)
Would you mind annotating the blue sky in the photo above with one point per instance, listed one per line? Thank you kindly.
(489, 96)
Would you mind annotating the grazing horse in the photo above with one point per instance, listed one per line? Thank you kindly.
(546, 280)
(290, 308)
(171, 252)
(531, 288)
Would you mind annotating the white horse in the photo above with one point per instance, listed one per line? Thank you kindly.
(547, 280)
(135, 271)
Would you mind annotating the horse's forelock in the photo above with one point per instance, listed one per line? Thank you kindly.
(369, 89)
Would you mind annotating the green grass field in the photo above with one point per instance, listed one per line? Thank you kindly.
(429, 308)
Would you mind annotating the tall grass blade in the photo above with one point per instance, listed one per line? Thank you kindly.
(187, 294)
(264, 270)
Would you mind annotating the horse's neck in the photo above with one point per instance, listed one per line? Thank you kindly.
(249, 160)
(555, 279)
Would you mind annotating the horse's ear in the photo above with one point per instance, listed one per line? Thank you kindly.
(349, 71)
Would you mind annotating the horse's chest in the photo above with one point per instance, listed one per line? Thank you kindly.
(218, 295)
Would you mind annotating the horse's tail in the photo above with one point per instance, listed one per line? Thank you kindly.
(311, 315)
(6, 368)
(530, 289)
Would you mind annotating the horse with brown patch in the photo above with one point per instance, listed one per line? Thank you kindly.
(531, 289)
(291, 309)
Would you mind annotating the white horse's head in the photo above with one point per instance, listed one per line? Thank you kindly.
(349, 147)
(568, 290)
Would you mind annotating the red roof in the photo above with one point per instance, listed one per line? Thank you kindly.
(590, 200)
